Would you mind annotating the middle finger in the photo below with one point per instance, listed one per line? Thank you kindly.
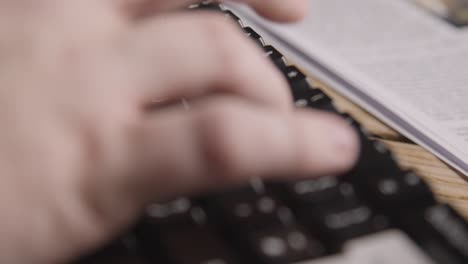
(189, 55)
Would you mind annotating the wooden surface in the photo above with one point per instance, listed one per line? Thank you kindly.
(447, 184)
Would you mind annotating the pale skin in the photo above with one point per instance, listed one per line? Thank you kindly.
(81, 150)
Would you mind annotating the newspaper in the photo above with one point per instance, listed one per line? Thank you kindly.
(406, 61)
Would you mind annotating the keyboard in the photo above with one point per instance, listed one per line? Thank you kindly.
(377, 213)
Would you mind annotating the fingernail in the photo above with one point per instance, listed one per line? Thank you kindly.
(345, 144)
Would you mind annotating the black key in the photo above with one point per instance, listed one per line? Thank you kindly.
(112, 257)
(279, 245)
(255, 189)
(197, 245)
(297, 80)
(374, 158)
(332, 209)
(250, 33)
(394, 192)
(304, 94)
(440, 231)
(166, 218)
(275, 56)
(338, 223)
(378, 178)
(229, 14)
(318, 192)
(122, 251)
(313, 98)
(183, 239)
(173, 213)
(249, 211)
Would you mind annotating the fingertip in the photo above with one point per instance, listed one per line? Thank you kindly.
(346, 143)
(284, 11)
(333, 145)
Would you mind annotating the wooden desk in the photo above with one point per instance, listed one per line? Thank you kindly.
(447, 184)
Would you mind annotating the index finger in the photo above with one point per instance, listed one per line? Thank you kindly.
(226, 140)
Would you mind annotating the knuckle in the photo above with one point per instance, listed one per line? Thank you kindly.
(105, 144)
(222, 141)
(229, 45)
(113, 131)
(126, 121)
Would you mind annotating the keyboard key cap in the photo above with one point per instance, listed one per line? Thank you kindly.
(440, 231)
(280, 245)
(338, 223)
(248, 212)
(252, 191)
(389, 247)
(331, 208)
(378, 179)
(229, 14)
(177, 212)
(250, 33)
(304, 94)
(122, 251)
(297, 80)
(313, 98)
(397, 191)
(151, 229)
(374, 159)
(197, 245)
(275, 56)
(111, 257)
(183, 238)
(318, 192)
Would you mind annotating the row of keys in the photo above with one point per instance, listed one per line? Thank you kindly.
(257, 227)
(332, 209)
(263, 227)
(178, 232)
(439, 230)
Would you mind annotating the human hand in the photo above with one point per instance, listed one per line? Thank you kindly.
(88, 139)
(278, 10)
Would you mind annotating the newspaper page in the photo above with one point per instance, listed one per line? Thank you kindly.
(406, 61)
